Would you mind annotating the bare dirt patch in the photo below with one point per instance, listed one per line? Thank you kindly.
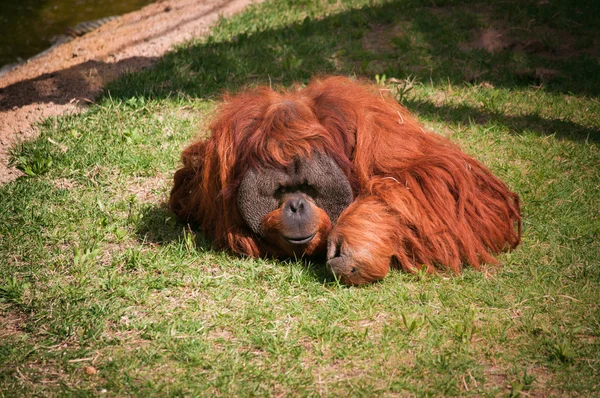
(150, 190)
(69, 76)
(378, 39)
(12, 324)
(551, 43)
(490, 40)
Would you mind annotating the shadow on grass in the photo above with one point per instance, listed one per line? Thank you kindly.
(158, 225)
(510, 44)
(516, 124)
(507, 45)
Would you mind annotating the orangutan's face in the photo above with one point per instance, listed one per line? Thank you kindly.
(295, 208)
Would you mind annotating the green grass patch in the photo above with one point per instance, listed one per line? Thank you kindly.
(102, 292)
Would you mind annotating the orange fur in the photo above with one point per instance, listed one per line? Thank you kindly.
(420, 201)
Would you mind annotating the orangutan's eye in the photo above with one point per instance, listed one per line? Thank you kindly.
(307, 189)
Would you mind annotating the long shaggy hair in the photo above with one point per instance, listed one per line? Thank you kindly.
(418, 199)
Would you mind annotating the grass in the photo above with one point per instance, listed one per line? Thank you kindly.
(103, 293)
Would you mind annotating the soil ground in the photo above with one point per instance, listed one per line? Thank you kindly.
(67, 77)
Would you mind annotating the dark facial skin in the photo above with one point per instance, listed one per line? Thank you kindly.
(298, 216)
(295, 208)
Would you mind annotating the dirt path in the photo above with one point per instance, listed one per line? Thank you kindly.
(67, 77)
